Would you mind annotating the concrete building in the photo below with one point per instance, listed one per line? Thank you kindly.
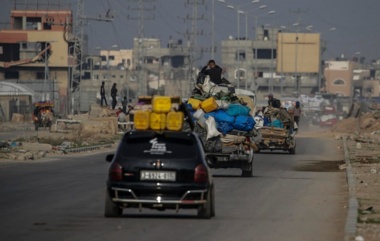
(146, 69)
(121, 59)
(34, 53)
(339, 78)
(252, 64)
(168, 67)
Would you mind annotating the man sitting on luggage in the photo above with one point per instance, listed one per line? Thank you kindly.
(215, 73)
(275, 103)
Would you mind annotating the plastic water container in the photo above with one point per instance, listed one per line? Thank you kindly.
(199, 114)
(209, 105)
(161, 104)
(174, 121)
(157, 121)
(141, 120)
(195, 104)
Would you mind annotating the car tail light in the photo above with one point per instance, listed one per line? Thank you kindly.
(200, 174)
(115, 172)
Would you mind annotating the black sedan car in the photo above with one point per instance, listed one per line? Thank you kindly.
(159, 170)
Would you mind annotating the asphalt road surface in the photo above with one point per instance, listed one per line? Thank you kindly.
(290, 197)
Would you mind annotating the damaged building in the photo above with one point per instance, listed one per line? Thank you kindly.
(34, 55)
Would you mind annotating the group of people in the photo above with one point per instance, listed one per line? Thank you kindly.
(295, 111)
(123, 111)
(113, 95)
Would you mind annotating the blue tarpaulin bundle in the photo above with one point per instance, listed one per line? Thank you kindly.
(223, 116)
(224, 127)
(235, 117)
(238, 109)
(244, 123)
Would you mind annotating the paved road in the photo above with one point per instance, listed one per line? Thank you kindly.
(287, 199)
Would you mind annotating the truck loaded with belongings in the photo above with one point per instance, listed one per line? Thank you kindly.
(225, 125)
(277, 130)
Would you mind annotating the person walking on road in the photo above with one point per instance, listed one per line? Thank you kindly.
(297, 113)
(103, 95)
(113, 95)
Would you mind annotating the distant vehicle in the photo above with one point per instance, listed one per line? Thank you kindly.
(274, 137)
(328, 116)
(160, 165)
(43, 114)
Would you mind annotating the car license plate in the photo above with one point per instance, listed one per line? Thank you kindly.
(157, 175)
(223, 159)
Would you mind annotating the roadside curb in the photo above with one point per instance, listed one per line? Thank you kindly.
(88, 148)
(353, 204)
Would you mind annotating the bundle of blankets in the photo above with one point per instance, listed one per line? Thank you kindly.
(230, 114)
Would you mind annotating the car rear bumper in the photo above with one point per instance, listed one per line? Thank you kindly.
(128, 198)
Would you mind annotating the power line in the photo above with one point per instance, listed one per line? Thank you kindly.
(78, 47)
(192, 36)
(145, 9)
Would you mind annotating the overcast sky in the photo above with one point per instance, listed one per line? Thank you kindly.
(357, 22)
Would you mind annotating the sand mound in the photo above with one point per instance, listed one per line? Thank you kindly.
(368, 122)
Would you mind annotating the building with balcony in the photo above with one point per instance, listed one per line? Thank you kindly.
(34, 53)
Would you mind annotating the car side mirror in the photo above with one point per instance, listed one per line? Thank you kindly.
(109, 157)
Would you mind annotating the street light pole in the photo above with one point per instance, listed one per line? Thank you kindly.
(238, 47)
(256, 39)
(212, 29)
(320, 61)
(238, 7)
(108, 64)
(272, 57)
(246, 33)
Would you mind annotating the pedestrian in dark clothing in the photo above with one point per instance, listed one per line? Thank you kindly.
(130, 112)
(131, 115)
(102, 95)
(275, 103)
(113, 95)
(124, 103)
(214, 71)
(297, 113)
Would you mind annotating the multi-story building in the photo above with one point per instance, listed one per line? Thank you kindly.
(162, 68)
(253, 64)
(34, 53)
(121, 59)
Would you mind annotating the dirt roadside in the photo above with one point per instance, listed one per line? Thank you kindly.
(363, 144)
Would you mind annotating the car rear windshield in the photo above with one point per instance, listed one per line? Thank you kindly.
(163, 146)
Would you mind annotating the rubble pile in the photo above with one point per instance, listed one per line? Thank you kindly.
(368, 122)
(33, 147)
(76, 131)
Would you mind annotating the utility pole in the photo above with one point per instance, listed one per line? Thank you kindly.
(144, 13)
(191, 37)
(255, 77)
(76, 66)
(213, 30)
(297, 81)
